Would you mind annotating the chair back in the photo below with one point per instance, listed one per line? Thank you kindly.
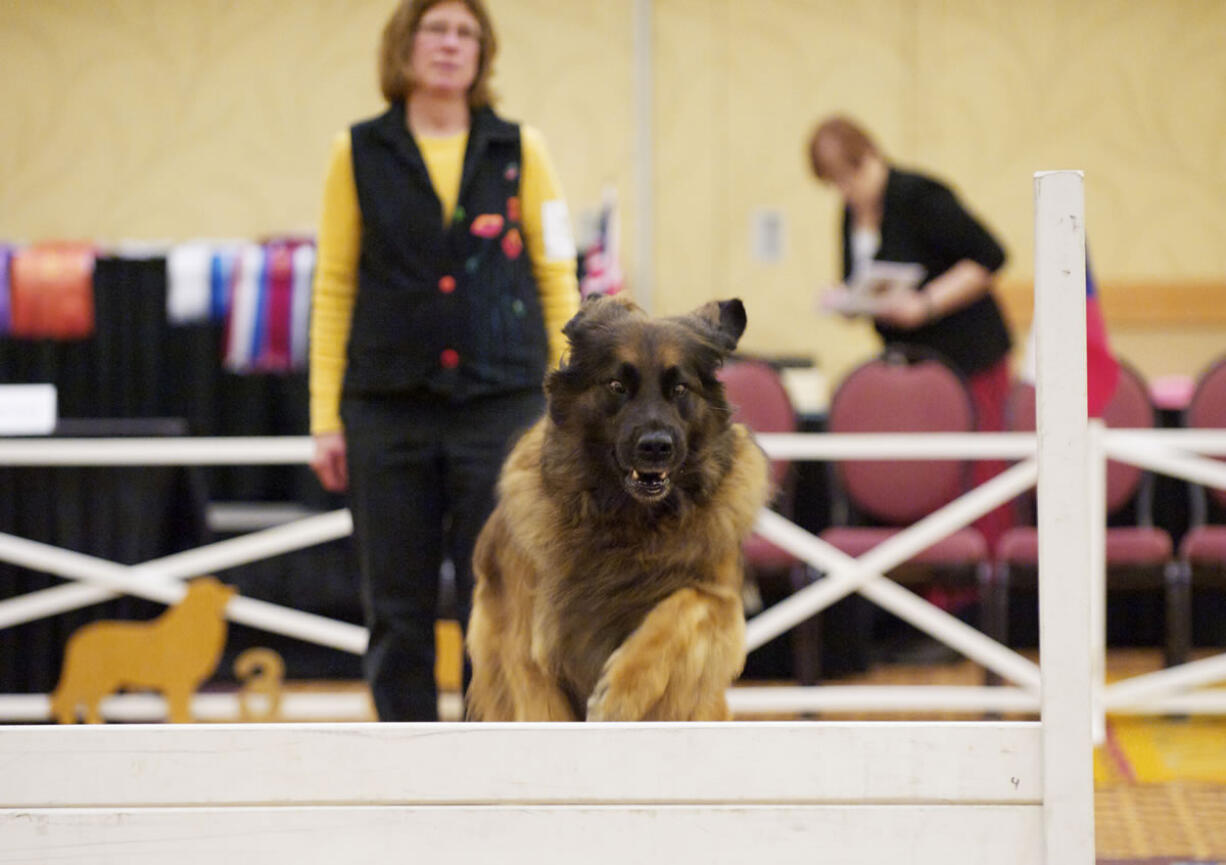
(1207, 408)
(760, 401)
(893, 393)
(1130, 408)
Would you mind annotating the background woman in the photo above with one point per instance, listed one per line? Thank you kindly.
(445, 272)
(906, 217)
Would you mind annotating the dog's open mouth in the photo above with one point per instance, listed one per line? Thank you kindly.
(648, 486)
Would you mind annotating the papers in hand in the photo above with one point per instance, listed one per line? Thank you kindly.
(874, 284)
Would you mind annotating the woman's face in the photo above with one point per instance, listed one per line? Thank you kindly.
(446, 50)
(859, 184)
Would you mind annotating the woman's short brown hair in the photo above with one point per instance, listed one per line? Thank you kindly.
(853, 142)
(397, 47)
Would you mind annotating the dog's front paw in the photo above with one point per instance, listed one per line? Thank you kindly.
(628, 688)
(604, 704)
(598, 703)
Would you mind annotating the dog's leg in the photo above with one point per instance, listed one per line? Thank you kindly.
(511, 687)
(677, 663)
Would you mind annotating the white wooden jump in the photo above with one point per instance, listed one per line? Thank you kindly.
(1011, 793)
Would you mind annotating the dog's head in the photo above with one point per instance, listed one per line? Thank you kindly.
(641, 399)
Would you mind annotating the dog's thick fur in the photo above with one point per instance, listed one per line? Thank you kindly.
(608, 578)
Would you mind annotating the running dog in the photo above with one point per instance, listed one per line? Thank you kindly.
(608, 578)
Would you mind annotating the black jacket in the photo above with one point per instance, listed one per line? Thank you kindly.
(922, 222)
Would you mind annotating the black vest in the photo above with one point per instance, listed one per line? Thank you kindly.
(445, 310)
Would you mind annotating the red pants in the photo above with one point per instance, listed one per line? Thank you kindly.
(989, 391)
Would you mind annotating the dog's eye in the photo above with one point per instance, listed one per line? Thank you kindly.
(679, 389)
(616, 386)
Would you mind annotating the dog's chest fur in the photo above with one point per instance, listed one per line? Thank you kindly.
(586, 604)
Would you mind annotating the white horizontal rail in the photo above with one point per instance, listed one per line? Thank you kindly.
(718, 834)
(1157, 458)
(277, 450)
(221, 450)
(898, 446)
(211, 706)
(441, 763)
(765, 700)
(1210, 442)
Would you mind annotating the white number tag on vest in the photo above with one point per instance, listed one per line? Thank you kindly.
(555, 225)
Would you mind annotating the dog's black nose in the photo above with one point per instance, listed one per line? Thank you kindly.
(654, 447)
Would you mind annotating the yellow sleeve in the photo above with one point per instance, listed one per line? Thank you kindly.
(549, 239)
(335, 287)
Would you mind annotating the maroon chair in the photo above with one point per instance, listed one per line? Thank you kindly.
(1203, 549)
(1135, 551)
(875, 499)
(759, 400)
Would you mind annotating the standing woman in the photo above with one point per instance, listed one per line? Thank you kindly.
(902, 216)
(445, 271)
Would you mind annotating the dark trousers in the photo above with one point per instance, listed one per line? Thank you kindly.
(422, 475)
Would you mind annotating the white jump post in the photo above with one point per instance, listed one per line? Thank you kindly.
(1064, 518)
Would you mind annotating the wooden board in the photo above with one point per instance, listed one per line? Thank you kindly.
(541, 835)
(278, 764)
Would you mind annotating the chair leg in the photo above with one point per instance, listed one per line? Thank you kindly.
(806, 636)
(994, 614)
(1178, 612)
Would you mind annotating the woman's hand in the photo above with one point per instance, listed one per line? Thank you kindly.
(960, 286)
(835, 298)
(905, 311)
(329, 462)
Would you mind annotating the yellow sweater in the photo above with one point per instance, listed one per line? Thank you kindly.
(340, 242)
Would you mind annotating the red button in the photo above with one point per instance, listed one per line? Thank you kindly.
(447, 284)
(449, 358)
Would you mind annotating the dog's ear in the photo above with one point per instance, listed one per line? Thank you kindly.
(593, 325)
(598, 311)
(725, 319)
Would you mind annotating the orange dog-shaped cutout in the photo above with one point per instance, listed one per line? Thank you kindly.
(174, 653)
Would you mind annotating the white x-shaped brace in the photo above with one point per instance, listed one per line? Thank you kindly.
(1134, 448)
(162, 579)
(845, 574)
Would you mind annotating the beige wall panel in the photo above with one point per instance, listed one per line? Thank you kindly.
(794, 62)
(1128, 90)
(177, 118)
(739, 87)
(154, 119)
(565, 68)
(690, 106)
(1174, 351)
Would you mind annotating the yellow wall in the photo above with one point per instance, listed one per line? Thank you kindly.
(168, 119)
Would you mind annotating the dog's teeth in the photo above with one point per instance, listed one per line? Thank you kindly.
(663, 476)
(634, 473)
